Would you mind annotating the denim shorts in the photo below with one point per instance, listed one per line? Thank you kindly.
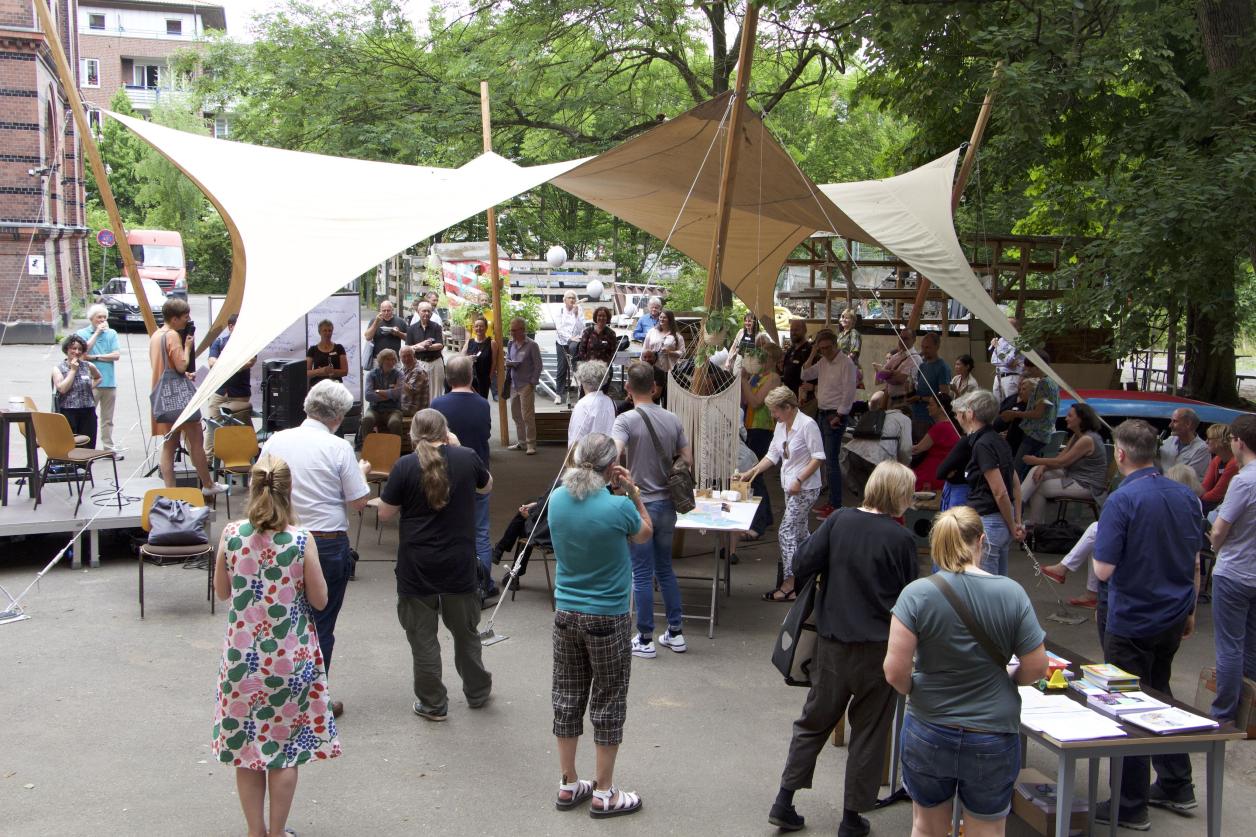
(938, 761)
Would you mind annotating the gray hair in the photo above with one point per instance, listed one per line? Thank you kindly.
(328, 401)
(592, 456)
(980, 402)
(1185, 474)
(1138, 439)
(591, 374)
(97, 309)
(653, 300)
(1190, 416)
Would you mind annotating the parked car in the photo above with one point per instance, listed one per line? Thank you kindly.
(122, 304)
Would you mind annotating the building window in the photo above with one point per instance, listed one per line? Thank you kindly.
(147, 76)
(90, 73)
(96, 122)
(222, 130)
(174, 27)
(96, 21)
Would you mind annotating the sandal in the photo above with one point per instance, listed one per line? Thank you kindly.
(628, 803)
(751, 536)
(779, 595)
(580, 791)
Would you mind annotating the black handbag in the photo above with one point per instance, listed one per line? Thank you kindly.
(177, 523)
(680, 481)
(796, 640)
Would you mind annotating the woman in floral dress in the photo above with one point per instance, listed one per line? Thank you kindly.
(272, 712)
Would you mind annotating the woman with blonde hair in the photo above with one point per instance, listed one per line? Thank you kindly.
(433, 489)
(1223, 467)
(863, 559)
(796, 446)
(961, 732)
(268, 566)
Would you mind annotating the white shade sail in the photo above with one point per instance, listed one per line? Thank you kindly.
(303, 225)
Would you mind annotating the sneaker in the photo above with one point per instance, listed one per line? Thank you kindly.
(216, 488)
(558, 399)
(676, 642)
(862, 828)
(430, 713)
(1135, 822)
(1179, 803)
(643, 649)
(531, 451)
(786, 818)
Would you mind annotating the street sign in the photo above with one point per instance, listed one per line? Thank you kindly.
(105, 238)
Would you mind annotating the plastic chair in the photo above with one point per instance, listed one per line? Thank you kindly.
(236, 448)
(56, 440)
(382, 450)
(183, 554)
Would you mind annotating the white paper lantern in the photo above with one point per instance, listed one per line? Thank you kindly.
(556, 256)
(433, 261)
(594, 289)
(630, 310)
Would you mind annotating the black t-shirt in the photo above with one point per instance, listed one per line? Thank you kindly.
(952, 468)
(436, 554)
(322, 358)
(416, 334)
(385, 338)
(791, 364)
(481, 354)
(990, 451)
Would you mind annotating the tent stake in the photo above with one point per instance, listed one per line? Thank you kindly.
(499, 347)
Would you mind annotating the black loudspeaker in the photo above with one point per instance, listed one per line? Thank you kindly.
(283, 394)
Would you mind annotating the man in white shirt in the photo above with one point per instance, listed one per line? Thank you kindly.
(832, 374)
(1185, 446)
(1009, 365)
(863, 453)
(568, 326)
(327, 481)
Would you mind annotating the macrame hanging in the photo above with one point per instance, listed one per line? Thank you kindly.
(712, 424)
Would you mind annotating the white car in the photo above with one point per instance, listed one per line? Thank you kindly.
(124, 307)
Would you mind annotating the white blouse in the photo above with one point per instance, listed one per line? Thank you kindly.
(804, 444)
(656, 341)
(593, 413)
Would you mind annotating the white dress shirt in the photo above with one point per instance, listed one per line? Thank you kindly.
(835, 382)
(325, 474)
(593, 413)
(804, 444)
(568, 325)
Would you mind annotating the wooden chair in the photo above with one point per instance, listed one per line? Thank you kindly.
(80, 440)
(382, 450)
(236, 449)
(56, 440)
(183, 554)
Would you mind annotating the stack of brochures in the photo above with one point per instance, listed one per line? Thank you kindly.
(1169, 719)
(1110, 678)
(1119, 704)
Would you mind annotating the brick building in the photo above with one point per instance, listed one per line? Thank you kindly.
(43, 246)
(126, 45)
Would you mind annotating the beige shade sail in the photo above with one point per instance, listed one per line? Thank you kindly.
(910, 215)
(667, 180)
(304, 225)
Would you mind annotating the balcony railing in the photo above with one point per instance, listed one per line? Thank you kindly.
(146, 98)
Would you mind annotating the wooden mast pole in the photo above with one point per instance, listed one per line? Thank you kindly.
(70, 86)
(495, 277)
(961, 180)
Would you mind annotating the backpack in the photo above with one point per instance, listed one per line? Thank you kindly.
(870, 425)
(1056, 538)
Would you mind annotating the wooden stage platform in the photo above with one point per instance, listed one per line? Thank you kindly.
(56, 513)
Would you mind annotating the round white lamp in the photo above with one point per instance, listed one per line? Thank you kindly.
(556, 256)
(594, 289)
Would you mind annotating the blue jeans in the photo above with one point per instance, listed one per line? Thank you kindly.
(651, 560)
(483, 543)
(832, 438)
(1234, 621)
(1029, 446)
(998, 541)
(333, 556)
(938, 761)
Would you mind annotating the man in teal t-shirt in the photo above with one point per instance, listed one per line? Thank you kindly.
(103, 350)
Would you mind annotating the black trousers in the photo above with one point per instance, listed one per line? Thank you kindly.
(1151, 658)
(82, 422)
(848, 680)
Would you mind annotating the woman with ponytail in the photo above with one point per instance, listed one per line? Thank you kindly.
(268, 566)
(963, 710)
(433, 490)
(590, 528)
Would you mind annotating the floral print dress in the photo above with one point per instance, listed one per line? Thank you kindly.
(272, 709)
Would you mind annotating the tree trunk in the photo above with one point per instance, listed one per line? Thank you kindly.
(1210, 352)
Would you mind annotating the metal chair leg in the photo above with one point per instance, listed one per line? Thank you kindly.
(141, 582)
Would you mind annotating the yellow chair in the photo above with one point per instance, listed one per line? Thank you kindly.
(183, 554)
(382, 450)
(79, 439)
(56, 440)
(236, 449)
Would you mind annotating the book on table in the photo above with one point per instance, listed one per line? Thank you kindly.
(1169, 720)
(1110, 677)
(1117, 704)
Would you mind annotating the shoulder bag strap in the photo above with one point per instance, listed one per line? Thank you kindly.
(667, 466)
(966, 616)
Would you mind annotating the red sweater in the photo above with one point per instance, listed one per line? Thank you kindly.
(1217, 479)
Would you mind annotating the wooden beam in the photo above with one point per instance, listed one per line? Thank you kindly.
(965, 169)
(70, 88)
(499, 347)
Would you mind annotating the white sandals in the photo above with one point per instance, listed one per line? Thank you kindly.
(627, 803)
(580, 791)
